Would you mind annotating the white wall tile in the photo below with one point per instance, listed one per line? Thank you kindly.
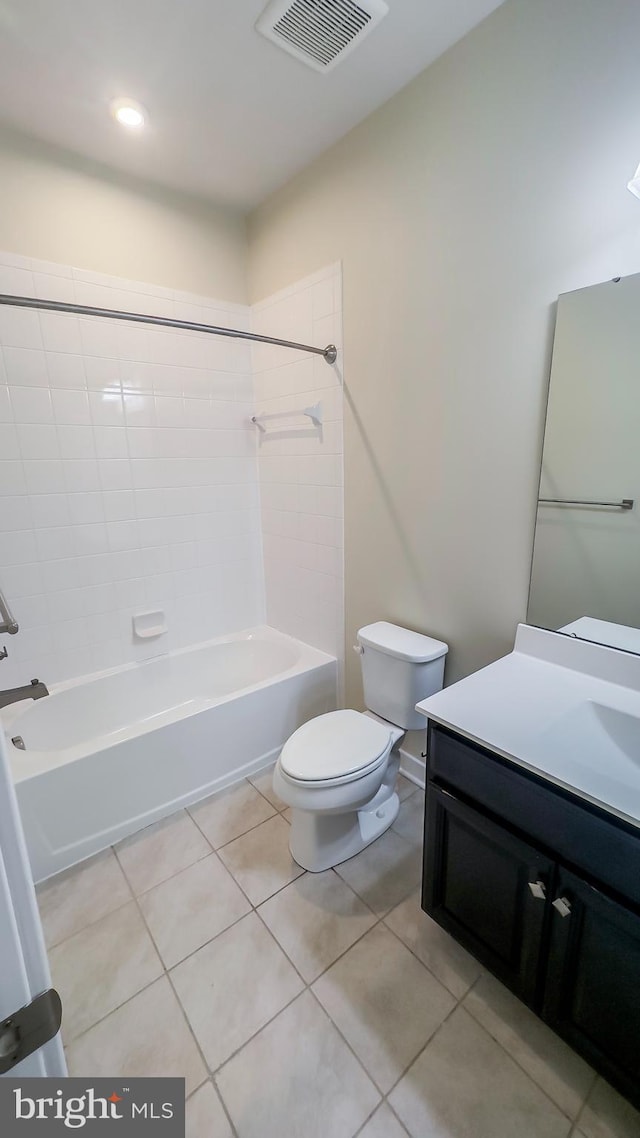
(131, 475)
(44, 476)
(50, 510)
(18, 546)
(110, 442)
(60, 333)
(6, 414)
(70, 406)
(301, 469)
(81, 474)
(38, 440)
(19, 328)
(9, 445)
(66, 371)
(107, 408)
(15, 513)
(76, 442)
(31, 404)
(25, 366)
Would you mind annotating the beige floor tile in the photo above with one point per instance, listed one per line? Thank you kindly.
(146, 1036)
(452, 965)
(464, 1085)
(157, 852)
(315, 919)
(608, 1115)
(286, 814)
(264, 783)
(260, 861)
(191, 908)
(553, 1065)
(410, 821)
(383, 1124)
(297, 1079)
(100, 967)
(404, 787)
(385, 1003)
(74, 899)
(232, 812)
(205, 1117)
(384, 872)
(233, 986)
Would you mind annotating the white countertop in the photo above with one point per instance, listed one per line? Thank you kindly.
(550, 707)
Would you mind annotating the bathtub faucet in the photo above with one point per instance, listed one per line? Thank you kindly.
(34, 690)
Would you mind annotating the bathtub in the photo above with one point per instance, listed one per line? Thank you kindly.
(110, 753)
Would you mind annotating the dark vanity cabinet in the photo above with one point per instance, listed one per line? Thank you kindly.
(544, 890)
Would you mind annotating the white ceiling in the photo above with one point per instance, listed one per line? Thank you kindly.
(231, 116)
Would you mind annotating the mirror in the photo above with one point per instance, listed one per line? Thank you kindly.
(585, 576)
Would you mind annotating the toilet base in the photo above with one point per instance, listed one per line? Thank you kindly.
(320, 841)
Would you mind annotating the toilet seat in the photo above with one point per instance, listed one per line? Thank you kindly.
(335, 748)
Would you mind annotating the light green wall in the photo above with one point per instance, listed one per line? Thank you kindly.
(460, 210)
(56, 207)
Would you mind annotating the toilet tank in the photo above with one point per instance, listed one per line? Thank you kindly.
(399, 668)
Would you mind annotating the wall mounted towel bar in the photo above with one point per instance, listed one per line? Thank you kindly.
(329, 353)
(314, 413)
(624, 504)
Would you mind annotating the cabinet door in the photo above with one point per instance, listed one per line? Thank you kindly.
(487, 888)
(592, 993)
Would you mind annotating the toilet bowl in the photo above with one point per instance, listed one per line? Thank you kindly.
(338, 771)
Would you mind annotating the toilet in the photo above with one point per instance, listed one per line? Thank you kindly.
(338, 772)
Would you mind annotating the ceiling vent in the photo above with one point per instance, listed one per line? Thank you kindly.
(320, 33)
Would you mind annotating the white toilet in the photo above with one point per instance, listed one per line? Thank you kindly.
(338, 771)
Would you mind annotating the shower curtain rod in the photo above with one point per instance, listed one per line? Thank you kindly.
(329, 353)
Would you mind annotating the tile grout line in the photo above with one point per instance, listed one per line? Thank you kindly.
(167, 972)
(217, 1094)
(586, 1100)
(307, 986)
(135, 897)
(175, 994)
(89, 924)
(573, 1121)
(460, 1006)
(347, 1044)
(420, 961)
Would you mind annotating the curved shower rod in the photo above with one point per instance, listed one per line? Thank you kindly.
(329, 353)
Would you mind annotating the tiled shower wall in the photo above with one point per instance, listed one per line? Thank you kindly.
(300, 464)
(130, 474)
(128, 477)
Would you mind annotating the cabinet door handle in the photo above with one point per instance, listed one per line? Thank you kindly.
(562, 906)
(538, 890)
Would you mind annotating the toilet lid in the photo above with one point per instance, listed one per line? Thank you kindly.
(338, 744)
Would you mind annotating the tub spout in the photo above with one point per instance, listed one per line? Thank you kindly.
(35, 690)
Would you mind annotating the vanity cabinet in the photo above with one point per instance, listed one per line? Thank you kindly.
(544, 890)
(592, 989)
(477, 888)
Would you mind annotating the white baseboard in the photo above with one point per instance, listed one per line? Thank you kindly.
(412, 768)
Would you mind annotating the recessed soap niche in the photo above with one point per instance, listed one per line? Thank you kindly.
(147, 625)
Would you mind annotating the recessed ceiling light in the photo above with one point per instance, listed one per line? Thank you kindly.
(127, 112)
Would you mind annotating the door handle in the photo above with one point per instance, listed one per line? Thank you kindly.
(562, 906)
(539, 890)
(29, 1029)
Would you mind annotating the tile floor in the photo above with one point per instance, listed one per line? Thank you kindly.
(294, 1004)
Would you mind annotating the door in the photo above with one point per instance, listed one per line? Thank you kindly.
(24, 968)
(488, 889)
(592, 994)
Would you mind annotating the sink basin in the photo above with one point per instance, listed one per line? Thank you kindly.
(596, 735)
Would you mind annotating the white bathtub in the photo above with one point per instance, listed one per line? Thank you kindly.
(110, 753)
